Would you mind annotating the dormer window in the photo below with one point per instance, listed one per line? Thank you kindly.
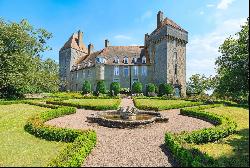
(100, 60)
(134, 60)
(117, 60)
(144, 60)
(125, 60)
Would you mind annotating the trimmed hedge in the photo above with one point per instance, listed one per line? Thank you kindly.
(165, 106)
(82, 141)
(137, 87)
(115, 87)
(165, 89)
(86, 87)
(179, 145)
(100, 87)
(87, 106)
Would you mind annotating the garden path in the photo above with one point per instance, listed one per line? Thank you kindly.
(139, 147)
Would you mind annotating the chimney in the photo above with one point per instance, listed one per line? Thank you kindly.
(160, 18)
(146, 39)
(106, 43)
(90, 48)
(79, 38)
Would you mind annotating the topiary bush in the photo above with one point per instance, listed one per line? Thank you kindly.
(137, 87)
(86, 87)
(150, 89)
(165, 89)
(100, 87)
(115, 88)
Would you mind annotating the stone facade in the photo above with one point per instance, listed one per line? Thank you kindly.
(162, 59)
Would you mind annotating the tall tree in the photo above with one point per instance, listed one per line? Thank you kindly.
(199, 84)
(233, 66)
(21, 67)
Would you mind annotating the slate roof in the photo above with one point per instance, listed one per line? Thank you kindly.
(112, 52)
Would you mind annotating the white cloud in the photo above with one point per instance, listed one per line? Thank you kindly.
(202, 50)
(201, 12)
(223, 4)
(122, 37)
(146, 15)
(210, 5)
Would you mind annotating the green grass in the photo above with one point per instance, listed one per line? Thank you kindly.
(98, 104)
(157, 104)
(19, 148)
(233, 150)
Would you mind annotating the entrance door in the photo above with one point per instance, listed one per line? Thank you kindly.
(176, 92)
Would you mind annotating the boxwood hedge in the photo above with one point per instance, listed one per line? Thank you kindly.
(82, 141)
(179, 144)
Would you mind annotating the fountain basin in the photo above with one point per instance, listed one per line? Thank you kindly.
(113, 119)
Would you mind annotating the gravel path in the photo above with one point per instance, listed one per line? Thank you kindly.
(142, 147)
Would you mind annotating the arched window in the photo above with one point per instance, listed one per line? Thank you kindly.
(144, 60)
(125, 60)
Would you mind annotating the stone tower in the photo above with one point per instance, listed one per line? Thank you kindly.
(69, 55)
(166, 47)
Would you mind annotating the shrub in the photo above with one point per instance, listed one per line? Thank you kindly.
(165, 88)
(82, 141)
(150, 88)
(192, 157)
(100, 87)
(115, 88)
(86, 87)
(137, 87)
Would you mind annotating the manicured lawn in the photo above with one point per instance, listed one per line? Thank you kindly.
(233, 150)
(19, 148)
(157, 104)
(95, 104)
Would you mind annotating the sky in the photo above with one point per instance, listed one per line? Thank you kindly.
(124, 22)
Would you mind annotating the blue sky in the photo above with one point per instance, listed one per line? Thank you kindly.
(124, 22)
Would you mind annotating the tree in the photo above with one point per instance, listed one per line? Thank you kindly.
(100, 87)
(165, 89)
(137, 87)
(233, 66)
(21, 67)
(115, 88)
(198, 84)
(86, 87)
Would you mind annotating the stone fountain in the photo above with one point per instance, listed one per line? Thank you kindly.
(126, 117)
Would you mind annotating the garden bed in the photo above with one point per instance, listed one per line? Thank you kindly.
(158, 104)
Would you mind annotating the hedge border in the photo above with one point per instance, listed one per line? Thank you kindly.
(180, 144)
(176, 106)
(80, 142)
(89, 107)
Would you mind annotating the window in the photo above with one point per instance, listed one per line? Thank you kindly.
(76, 87)
(116, 70)
(76, 75)
(144, 71)
(175, 57)
(144, 60)
(100, 60)
(88, 73)
(83, 74)
(126, 71)
(175, 43)
(117, 60)
(134, 60)
(175, 69)
(126, 60)
(135, 70)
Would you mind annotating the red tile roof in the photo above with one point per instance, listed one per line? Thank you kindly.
(73, 43)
